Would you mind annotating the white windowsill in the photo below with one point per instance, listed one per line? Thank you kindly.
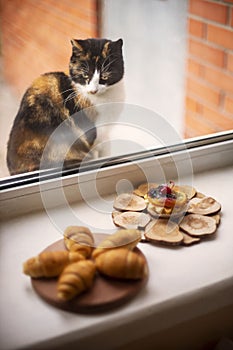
(180, 278)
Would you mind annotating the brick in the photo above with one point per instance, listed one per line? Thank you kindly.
(204, 92)
(191, 104)
(197, 126)
(194, 67)
(220, 79)
(231, 16)
(220, 36)
(219, 119)
(196, 28)
(229, 104)
(230, 62)
(209, 10)
(39, 32)
(206, 53)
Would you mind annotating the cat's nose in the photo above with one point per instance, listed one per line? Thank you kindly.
(94, 91)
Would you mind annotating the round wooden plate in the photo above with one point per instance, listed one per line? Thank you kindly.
(105, 294)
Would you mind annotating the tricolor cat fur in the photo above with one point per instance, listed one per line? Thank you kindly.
(95, 77)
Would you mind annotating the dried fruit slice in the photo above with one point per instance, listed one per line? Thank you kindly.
(200, 195)
(188, 240)
(129, 202)
(188, 190)
(217, 218)
(144, 188)
(131, 219)
(198, 225)
(203, 206)
(115, 213)
(163, 231)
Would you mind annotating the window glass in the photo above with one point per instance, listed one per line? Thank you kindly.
(178, 59)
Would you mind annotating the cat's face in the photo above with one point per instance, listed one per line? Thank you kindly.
(96, 64)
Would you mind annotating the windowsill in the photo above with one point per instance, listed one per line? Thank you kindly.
(184, 283)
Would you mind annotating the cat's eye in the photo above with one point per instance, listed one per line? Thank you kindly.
(104, 76)
(85, 75)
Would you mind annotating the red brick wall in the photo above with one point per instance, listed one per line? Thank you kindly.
(36, 36)
(209, 94)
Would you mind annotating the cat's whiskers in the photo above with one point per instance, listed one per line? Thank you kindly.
(104, 68)
(107, 58)
(84, 70)
(67, 91)
(70, 97)
(87, 68)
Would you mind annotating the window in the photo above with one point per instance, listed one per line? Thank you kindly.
(178, 66)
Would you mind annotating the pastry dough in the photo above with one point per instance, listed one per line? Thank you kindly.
(75, 279)
(49, 264)
(121, 263)
(79, 239)
(122, 238)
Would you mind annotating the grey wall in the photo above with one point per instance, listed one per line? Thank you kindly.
(154, 34)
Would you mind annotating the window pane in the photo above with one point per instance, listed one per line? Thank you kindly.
(178, 57)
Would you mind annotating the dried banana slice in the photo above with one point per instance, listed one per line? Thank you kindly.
(203, 206)
(188, 240)
(131, 219)
(198, 225)
(217, 218)
(188, 190)
(129, 202)
(144, 188)
(200, 195)
(163, 231)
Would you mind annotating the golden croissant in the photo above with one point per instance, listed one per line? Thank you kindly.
(121, 263)
(49, 263)
(122, 238)
(79, 239)
(75, 279)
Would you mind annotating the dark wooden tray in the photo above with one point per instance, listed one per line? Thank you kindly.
(106, 293)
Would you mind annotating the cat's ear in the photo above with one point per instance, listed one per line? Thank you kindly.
(77, 44)
(119, 43)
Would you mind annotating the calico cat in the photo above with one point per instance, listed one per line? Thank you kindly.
(95, 76)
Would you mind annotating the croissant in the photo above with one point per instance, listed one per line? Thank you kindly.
(79, 239)
(121, 263)
(49, 263)
(122, 238)
(75, 279)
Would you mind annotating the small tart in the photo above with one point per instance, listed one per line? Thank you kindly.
(166, 196)
(179, 200)
(163, 212)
